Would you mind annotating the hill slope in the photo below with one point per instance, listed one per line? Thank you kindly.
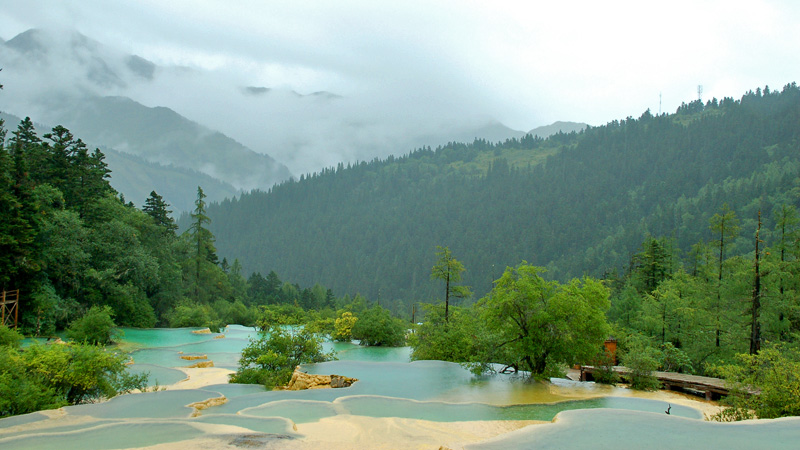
(66, 78)
(577, 203)
(135, 177)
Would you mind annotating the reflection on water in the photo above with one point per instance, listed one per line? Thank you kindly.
(389, 386)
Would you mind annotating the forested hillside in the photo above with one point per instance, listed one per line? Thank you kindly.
(578, 203)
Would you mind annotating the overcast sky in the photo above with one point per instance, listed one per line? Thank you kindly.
(523, 63)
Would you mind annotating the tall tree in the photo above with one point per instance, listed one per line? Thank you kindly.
(208, 281)
(157, 208)
(726, 225)
(755, 303)
(538, 325)
(449, 270)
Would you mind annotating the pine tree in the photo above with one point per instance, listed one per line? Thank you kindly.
(449, 270)
(156, 207)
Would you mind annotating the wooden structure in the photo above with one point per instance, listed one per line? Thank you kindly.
(712, 388)
(611, 348)
(9, 308)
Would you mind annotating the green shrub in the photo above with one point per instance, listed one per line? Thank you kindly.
(187, 314)
(343, 327)
(447, 341)
(642, 361)
(774, 373)
(322, 325)
(274, 315)
(9, 337)
(377, 327)
(604, 368)
(271, 359)
(50, 376)
(96, 327)
(675, 360)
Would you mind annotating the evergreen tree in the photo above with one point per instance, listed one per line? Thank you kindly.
(726, 226)
(156, 207)
(448, 269)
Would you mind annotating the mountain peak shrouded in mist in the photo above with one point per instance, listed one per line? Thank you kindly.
(305, 128)
(203, 120)
(556, 127)
(66, 78)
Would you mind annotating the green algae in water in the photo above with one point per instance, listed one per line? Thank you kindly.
(106, 437)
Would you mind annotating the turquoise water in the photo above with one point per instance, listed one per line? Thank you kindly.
(620, 429)
(587, 415)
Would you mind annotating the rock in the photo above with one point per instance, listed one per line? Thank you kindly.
(201, 365)
(203, 331)
(193, 357)
(199, 406)
(338, 381)
(301, 380)
(221, 336)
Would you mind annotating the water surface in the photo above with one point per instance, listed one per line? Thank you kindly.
(389, 386)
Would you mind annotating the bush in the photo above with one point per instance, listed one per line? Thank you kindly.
(675, 360)
(604, 365)
(9, 337)
(235, 312)
(51, 376)
(274, 315)
(377, 327)
(642, 361)
(322, 325)
(188, 314)
(451, 341)
(774, 373)
(343, 327)
(271, 359)
(95, 327)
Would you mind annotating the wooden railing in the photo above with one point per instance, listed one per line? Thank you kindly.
(9, 308)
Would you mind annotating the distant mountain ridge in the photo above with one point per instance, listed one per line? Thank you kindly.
(156, 135)
(303, 130)
(558, 127)
(135, 177)
(577, 203)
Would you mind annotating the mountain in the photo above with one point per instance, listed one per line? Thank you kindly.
(578, 203)
(558, 127)
(135, 177)
(76, 98)
(47, 69)
(161, 135)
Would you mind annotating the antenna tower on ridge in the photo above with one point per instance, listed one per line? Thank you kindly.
(700, 92)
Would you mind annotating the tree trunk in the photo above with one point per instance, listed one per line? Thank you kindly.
(755, 325)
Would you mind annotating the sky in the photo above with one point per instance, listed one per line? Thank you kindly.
(418, 67)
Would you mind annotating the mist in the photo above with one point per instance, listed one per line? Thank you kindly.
(391, 77)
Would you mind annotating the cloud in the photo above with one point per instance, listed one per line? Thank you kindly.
(407, 70)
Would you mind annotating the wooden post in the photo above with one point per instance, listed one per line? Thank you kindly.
(9, 306)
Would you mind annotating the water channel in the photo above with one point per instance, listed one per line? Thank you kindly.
(392, 394)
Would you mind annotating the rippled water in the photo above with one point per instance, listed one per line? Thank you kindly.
(389, 386)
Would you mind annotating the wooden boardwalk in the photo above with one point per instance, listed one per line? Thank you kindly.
(712, 388)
